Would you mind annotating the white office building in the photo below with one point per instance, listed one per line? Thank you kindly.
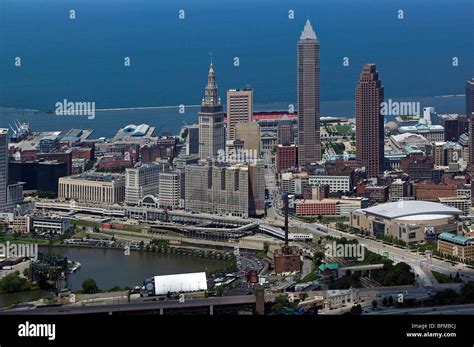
(335, 183)
(141, 181)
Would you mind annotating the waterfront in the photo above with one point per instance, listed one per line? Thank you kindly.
(110, 267)
(106, 123)
(8, 299)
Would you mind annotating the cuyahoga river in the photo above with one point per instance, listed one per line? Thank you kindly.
(111, 267)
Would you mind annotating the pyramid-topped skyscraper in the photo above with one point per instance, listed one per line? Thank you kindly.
(309, 139)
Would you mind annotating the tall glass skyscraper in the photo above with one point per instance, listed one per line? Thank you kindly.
(3, 167)
(309, 139)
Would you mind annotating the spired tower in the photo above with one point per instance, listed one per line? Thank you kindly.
(211, 120)
(308, 85)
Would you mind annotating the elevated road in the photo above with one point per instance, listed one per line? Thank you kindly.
(135, 306)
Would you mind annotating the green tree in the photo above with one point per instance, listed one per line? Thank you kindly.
(374, 304)
(220, 291)
(12, 283)
(89, 286)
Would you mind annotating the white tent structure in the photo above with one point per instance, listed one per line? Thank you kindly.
(189, 282)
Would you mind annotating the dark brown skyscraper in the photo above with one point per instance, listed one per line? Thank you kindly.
(369, 121)
(470, 117)
(309, 140)
(285, 134)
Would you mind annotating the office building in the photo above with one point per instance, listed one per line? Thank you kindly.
(286, 157)
(50, 225)
(249, 133)
(285, 133)
(42, 176)
(335, 183)
(239, 109)
(369, 96)
(141, 181)
(308, 97)
(456, 246)
(211, 120)
(93, 187)
(170, 190)
(10, 194)
(470, 115)
(192, 140)
(3, 168)
(236, 190)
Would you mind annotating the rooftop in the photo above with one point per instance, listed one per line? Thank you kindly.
(330, 266)
(411, 208)
(460, 240)
(308, 32)
(98, 177)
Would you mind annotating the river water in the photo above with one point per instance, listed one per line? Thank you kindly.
(111, 267)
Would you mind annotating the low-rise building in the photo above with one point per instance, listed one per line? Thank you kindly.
(287, 259)
(462, 203)
(325, 207)
(294, 183)
(93, 187)
(456, 246)
(432, 192)
(337, 298)
(20, 224)
(336, 183)
(46, 224)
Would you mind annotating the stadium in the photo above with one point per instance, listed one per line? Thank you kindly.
(410, 221)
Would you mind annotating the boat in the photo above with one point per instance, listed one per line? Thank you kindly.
(74, 266)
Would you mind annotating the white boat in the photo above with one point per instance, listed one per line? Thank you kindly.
(76, 267)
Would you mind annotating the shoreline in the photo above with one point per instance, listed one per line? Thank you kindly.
(40, 112)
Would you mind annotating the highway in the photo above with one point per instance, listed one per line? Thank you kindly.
(148, 304)
(133, 306)
(416, 261)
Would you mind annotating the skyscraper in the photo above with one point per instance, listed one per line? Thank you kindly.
(211, 120)
(470, 97)
(369, 96)
(249, 133)
(237, 190)
(142, 180)
(3, 168)
(239, 109)
(470, 116)
(309, 140)
(285, 134)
